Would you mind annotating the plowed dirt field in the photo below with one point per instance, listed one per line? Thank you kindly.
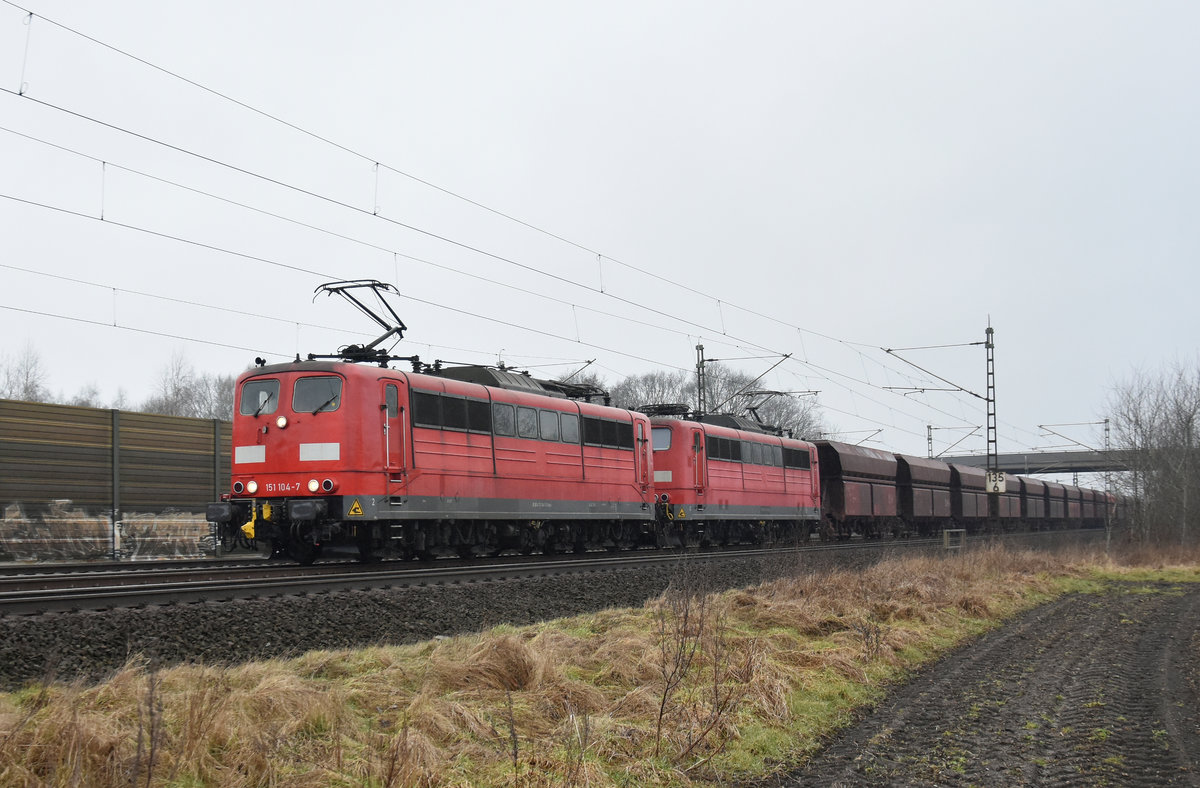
(1092, 689)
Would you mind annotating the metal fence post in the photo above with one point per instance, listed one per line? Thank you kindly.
(116, 484)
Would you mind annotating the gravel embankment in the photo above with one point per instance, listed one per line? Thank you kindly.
(91, 645)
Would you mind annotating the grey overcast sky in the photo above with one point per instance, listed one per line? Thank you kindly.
(820, 179)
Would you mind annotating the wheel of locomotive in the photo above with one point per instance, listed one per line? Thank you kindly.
(300, 546)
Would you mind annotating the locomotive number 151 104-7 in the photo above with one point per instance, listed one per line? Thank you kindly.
(283, 487)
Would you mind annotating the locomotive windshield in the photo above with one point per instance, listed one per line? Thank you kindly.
(313, 395)
(661, 437)
(258, 397)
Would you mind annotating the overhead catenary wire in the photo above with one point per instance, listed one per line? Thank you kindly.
(327, 275)
(348, 206)
(469, 247)
(376, 164)
(342, 236)
(438, 305)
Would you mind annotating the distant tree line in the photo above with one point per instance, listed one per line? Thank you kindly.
(180, 390)
(1155, 421)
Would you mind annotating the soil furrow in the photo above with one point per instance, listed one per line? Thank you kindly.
(1091, 689)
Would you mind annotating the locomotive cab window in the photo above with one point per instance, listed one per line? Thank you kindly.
(259, 397)
(391, 401)
(661, 438)
(316, 395)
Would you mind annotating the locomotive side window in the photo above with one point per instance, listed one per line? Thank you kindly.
(593, 431)
(727, 449)
(796, 458)
(548, 425)
(318, 394)
(427, 409)
(479, 416)
(504, 419)
(258, 397)
(606, 433)
(454, 413)
(391, 401)
(661, 438)
(570, 427)
(777, 456)
(527, 422)
(449, 412)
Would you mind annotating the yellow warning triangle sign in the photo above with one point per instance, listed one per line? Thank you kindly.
(355, 509)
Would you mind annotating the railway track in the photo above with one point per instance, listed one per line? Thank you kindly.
(30, 590)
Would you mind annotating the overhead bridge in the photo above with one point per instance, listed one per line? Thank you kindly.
(1049, 461)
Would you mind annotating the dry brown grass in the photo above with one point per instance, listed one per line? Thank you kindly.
(569, 703)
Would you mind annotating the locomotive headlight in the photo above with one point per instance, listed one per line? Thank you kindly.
(329, 485)
(238, 488)
(252, 487)
(313, 485)
(281, 422)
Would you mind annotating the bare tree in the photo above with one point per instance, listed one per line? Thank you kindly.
(214, 396)
(181, 391)
(88, 396)
(655, 388)
(175, 391)
(1156, 424)
(24, 377)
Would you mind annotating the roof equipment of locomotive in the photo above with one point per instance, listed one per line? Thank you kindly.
(370, 353)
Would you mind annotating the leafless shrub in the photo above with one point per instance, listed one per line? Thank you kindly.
(579, 742)
(150, 732)
(679, 624)
(872, 637)
(514, 745)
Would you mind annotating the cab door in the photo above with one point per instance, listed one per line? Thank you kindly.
(699, 466)
(642, 452)
(393, 432)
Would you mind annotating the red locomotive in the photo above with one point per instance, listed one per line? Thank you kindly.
(330, 452)
(723, 481)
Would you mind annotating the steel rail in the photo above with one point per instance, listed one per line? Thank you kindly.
(36, 594)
